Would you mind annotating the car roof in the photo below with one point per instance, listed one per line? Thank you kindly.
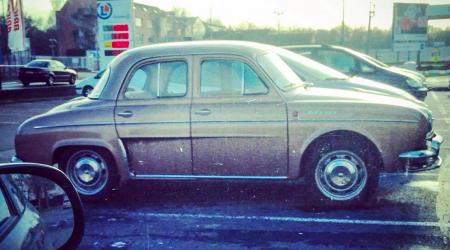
(230, 47)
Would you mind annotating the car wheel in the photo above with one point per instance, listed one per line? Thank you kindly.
(92, 172)
(86, 90)
(340, 175)
(50, 80)
(72, 79)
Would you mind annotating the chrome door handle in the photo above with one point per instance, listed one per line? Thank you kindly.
(203, 112)
(125, 114)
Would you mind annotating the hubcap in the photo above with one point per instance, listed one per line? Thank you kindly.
(88, 172)
(341, 175)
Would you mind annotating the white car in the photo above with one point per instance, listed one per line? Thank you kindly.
(85, 86)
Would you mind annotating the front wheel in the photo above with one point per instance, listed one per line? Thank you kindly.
(92, 172)
(50, 80)
(86, 90)
(341, 174)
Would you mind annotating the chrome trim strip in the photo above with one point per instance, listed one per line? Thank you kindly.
(351, 120)
(74, 125)
(197, 122)
(164, 176)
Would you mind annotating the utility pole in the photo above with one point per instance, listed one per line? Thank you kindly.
(343, 22)
(371, 14)
(278, 14)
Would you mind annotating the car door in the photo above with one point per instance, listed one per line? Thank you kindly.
(152, 117)
(58, 71)
(239, 127)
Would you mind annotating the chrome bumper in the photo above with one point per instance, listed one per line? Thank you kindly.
(423, 160)
(15, 159)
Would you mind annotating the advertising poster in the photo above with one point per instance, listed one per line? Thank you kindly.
(410, 22)
(16, 30)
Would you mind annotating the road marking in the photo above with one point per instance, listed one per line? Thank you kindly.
(9, 123)
(299, 219)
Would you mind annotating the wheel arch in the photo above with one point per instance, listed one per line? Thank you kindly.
(336, 135)
(120, 161)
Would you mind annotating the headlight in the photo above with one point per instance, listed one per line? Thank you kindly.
(414, 83)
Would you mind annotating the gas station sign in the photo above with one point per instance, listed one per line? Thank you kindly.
(115, 28)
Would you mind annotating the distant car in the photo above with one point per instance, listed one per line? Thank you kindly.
(48, 71)
(85, 86)
(353, 63)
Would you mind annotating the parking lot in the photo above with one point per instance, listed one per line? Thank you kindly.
(174, 214)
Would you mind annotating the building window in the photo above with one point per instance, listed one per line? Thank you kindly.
(138, 22)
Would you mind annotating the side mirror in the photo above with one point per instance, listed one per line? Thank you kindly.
(40, 203)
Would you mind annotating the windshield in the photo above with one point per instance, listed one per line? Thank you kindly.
(38, 64)
(98, 89)
(280, 73)
(307, 68)
(368, 58)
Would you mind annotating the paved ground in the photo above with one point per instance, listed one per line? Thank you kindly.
(171, 214)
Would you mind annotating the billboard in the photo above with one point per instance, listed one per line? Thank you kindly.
(410, 22)
(115, 28)
(16, 29)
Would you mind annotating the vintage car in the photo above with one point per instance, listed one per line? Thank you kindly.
(228, 110)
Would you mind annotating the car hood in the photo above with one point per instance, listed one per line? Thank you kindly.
(78, 102)
(367, 86)
(407, 73)
(333, 96)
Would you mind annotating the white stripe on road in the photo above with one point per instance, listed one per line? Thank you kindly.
(298, 219)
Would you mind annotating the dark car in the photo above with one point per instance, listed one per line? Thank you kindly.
(49, 71)
(353, 63)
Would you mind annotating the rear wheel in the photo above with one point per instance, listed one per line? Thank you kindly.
(25, 83)
(50, 80)
(341, 174)
(91, 171)
(72, 79)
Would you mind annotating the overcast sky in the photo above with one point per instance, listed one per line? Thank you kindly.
(315, 14)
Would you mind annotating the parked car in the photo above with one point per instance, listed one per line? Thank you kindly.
(353, 63)
(24, 225)
(85, 86)
(49, 71)
(323, 76)
(228, 110)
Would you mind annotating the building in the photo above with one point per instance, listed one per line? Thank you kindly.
(76, 24)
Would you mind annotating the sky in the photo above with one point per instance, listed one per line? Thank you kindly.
(315, 14)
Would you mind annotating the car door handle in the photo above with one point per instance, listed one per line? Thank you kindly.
(125, 114)
(203, 112)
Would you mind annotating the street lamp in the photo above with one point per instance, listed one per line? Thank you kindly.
(343, 23)
(278, 14)
(371, 14)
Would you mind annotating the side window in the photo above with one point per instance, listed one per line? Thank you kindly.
(340, 61)
(158, 80)
(229, 78)
(366, 68)
(5, 211)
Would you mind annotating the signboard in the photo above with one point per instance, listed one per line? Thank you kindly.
(438, 11)
(16, 30)
(410, 22)
(115, 28)
(408, 46)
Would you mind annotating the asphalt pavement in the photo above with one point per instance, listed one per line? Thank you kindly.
(256, 215)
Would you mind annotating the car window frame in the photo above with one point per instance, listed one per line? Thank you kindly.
(139, 64)
(198, 66)
(9, 224)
